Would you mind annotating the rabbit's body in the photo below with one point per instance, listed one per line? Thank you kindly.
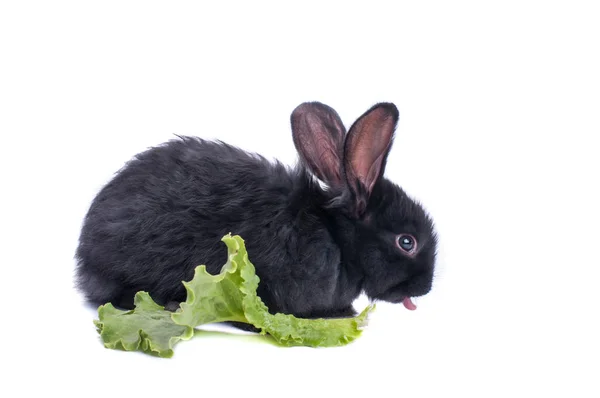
(315, 250)
(144, 224)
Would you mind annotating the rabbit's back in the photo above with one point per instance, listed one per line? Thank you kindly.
(165, 212)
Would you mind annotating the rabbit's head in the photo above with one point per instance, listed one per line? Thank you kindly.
(384, 235)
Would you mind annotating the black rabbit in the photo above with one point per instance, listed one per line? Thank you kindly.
(315, 246)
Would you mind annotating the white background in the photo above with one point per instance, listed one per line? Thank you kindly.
(499, 109)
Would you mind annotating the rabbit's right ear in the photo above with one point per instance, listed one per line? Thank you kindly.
(366, 149)
(318, 135)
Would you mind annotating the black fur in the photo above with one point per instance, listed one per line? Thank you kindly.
(165, 212)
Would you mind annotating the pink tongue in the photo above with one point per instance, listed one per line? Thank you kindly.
(409, 304)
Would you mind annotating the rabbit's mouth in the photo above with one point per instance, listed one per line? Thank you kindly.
(397, 297)
(408, 304)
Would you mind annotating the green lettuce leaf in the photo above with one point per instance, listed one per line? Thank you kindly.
(147, 328)
(238, 278)
(228, 296)
(215, 298)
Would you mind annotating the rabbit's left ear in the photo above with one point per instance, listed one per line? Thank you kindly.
(365, 152)
(318, 135)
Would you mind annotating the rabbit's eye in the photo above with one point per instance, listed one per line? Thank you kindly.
(407, 243)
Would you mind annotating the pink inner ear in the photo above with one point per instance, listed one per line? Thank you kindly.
(322, 160)
(370, 142)
(318, 135)
(374, 172)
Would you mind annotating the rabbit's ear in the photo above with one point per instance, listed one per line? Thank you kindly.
(318, 135)
(366, 149)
